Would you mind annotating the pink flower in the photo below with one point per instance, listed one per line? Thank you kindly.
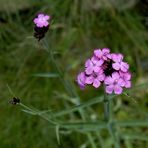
(102, 54)
(119, 64)
(42, 20)
(81, 80)
(114, 83)
(126, 76)
(108, 69)
(93, 65)
(95, 79)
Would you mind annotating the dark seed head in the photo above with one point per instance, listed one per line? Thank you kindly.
(14, 101)
(40, 32)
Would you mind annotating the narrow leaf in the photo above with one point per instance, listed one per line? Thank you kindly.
(57, 133)
(134, 136)
(85, 126)
(143, 123)
(47, 75)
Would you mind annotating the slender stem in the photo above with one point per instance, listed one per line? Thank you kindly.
(106, 107)
(108, 119)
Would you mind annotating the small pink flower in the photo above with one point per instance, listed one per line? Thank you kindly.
(95, 79)
(42, 20)
(126, 76)
(119, 64)
(93, 65)
(81, 80)
(114, 83)
(102, 54)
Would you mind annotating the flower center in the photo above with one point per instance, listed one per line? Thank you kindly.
(107, 67)
(94, 75)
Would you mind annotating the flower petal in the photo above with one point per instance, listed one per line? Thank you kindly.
(89, 80)
(115, 76)
(117, 89)
(81, 80)
(127, 76)
(89, 70)
(128, 84)
(124, 66)
(99, 62)
(47, 17)
(35, 20)
(96, 69)
(40, 15)
(116, 66)
(109, 89)
(98, 53)
(96, 83)
(117, 57)
(105, 50)
(101, 77)
(88, 63)
(121, 82)
(108, 80)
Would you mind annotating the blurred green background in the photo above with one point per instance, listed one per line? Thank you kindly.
(78, 26)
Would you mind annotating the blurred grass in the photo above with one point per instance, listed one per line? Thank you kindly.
(77, 28)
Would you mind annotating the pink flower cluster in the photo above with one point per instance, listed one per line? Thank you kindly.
(42, 20)
(108, 69)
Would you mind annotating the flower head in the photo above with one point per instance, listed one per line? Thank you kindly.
(41, 25)
(114, 83)
(119, 64)
(93, 65)
(95, 79)
(42, 20)
(102, 54)
(108, 69)
(126, 76)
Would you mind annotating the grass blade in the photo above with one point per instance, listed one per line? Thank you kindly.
(46, 75)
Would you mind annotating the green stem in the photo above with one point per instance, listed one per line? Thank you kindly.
(106, 107)
(108, 118)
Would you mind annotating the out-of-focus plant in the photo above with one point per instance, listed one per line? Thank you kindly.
(102, 68)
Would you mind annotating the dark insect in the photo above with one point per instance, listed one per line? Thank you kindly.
(14, 101)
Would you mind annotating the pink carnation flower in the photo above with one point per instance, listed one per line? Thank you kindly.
(102, 54)
(95, 79)
(93, 65)
(114, 83)
(81, 80)
(126, 76)
(42, 20)
(119, 64)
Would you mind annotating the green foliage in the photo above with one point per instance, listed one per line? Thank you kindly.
(74, 117)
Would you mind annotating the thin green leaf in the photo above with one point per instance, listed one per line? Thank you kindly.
(46, 75)
(29, 112)
(143, 123)
(57, 133)
(85, 126)
(33, 112)
(134, 136)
